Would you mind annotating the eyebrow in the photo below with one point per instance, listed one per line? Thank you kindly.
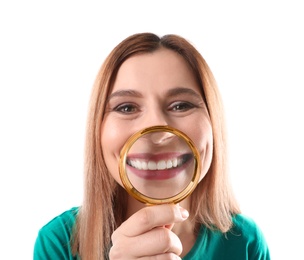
(181, 90)
(171, 93)
(125, 93)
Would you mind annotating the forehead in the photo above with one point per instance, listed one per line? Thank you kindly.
(157, 60)
(162, 68)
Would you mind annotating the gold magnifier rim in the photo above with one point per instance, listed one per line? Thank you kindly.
(155, 201)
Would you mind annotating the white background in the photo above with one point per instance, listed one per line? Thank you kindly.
(50, 52)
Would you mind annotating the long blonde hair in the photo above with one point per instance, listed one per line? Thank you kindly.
(212, 202)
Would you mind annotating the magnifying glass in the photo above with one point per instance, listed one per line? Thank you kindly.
(159, 164)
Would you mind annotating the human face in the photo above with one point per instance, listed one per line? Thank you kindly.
(150, 89)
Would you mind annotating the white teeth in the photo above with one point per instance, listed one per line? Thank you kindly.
(152, 165)
(161, 165)
(174, 162)
(138, 164)
(144, 166)
(169, 164)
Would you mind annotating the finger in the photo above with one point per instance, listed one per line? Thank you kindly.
(166, 256)
(156, 242)
(151, 217)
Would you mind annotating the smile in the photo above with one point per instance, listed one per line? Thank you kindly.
(156, 165)
(158, 169)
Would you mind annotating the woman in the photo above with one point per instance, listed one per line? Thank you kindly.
(147, 81)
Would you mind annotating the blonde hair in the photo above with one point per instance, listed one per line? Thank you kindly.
(212, 202)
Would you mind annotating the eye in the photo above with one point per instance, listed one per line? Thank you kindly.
(126, 108)
(181, 106)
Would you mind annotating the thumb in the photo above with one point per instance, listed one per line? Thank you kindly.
(184, 213)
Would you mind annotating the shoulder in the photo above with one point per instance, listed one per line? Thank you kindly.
(246, 227)
(248, 234)
(65, 220)
(53, 239)
(244, 241)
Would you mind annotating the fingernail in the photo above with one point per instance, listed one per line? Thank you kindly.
(184, 213)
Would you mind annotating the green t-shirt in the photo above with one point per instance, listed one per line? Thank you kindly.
(244, 241)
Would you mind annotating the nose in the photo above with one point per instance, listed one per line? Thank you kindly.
(155, 116)
(160, 138)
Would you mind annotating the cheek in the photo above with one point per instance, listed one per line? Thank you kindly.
(203, 139)
(111, 143)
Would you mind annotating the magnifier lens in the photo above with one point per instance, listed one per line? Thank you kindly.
(159, 165)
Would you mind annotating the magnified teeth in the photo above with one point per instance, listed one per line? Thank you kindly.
(144, 166)
(161, 165)
(169, 164)
(152, 165)
(157, 165)
(137, 164)
(174, 162)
